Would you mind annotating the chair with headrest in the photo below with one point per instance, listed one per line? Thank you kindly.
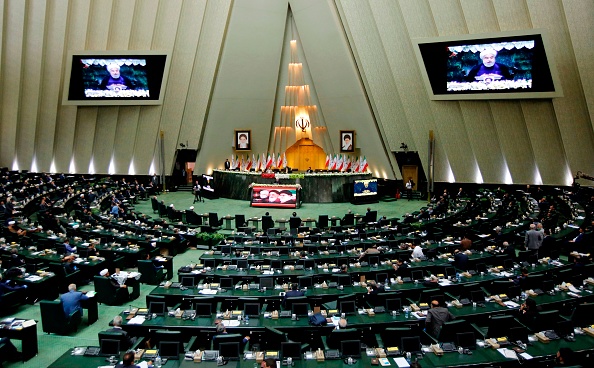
(107, 294)
(149, 274)
(53, 319)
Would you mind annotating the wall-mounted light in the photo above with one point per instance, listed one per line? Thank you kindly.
(302, 123)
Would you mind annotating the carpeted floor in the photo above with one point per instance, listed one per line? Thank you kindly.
(52, 346)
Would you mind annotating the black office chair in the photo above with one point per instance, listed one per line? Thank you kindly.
(53, 319)
(322, 222)
(214, 222)
(583, 315)
(267, 223)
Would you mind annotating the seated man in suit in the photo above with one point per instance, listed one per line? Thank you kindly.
(71, 300)
(117, 328)
(293, 293)
(460, 259)
(128, 361)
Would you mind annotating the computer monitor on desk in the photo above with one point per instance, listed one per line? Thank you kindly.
(466, 340)
(290, 350)
(229, 350)
(350, 348)
(169, 349)
(410, 344)
(158, 308)
(109, 347)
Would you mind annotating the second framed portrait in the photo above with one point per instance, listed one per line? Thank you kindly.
(347, 141)
(243, 140)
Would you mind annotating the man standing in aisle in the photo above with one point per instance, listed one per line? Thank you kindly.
(197, 195)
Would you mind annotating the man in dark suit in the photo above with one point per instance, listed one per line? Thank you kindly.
(533, 239)
(227, 165)
(293, 293)
(71, 300)
(117, 328)
(460, 260)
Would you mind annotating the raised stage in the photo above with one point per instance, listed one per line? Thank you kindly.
(315, 187)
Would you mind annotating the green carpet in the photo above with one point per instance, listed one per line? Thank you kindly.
(53, 346)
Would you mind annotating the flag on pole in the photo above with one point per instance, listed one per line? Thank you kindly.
(347, 163)
(364, 165)
(356, 165)
(249, 163)
(268, 162)
(279, 161)
(284, 160)
(339, 164)
(232, 163)
(327, 161)
(236, 162)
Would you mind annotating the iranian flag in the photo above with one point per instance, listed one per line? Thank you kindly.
(284, 160)
(347, 163)
(232, 163)
(364, 165)
(263, 162)
(269, 162)
(339, 164)
(249, 163)
(237, 162)
(328, 159)
(356, 165)
(279, 161)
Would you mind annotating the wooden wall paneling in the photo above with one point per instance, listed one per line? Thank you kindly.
(416, 117)
(452, 132)
(104, 138)
(52, 74)
(546, 141)
(166, 29)
(480, 17)
(123, 148)
(516, 147)
(371, 55)
(145, 127)
(119, 150)
(184, 52)
(206, 61)
(509, 116)
(570, 111)
(65, 137)
(413, 20)
(33, 59)
(579, 15)
(13, 33)
(244, 92)
(86, 130)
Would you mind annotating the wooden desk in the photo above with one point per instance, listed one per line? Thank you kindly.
(28, 337)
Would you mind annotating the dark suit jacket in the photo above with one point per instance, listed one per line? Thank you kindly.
(292, 294)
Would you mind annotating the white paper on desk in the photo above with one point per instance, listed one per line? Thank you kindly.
(401, 362)
(573, 289)
(90, 294)
(526, 356)
(268, 273)
(511, 304)
(136, 320)
(573, 226)
(508, 353)
(29, 322)
(33, 278)
(230, 322)
(483, 236)
(444, 282)
(506, 274)
(207, 291)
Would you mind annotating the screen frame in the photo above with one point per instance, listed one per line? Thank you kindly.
(111, 53)
(363, 181)
(484, 38)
